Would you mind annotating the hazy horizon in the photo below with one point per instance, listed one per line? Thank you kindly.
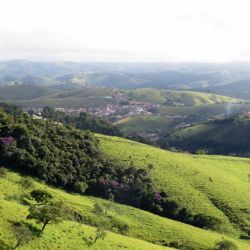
(125, 31)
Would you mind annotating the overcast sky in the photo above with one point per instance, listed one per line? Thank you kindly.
(125, 30)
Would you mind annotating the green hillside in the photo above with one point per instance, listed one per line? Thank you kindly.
(84, 97)
(179, 97)
(212, 185)
(23, 92)
(143, 227)
(225, 136)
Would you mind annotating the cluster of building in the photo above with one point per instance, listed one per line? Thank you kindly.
(119, 111)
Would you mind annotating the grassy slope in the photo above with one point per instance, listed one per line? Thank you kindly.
(23, 92)
(68, 235)
(178, 97)
(193, 181)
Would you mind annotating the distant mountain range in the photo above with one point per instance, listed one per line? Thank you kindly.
(229, 79)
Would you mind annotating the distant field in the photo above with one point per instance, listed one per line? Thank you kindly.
(145, 123)
(68, 235)
(212, 185)
(205, 110)
(179, 97)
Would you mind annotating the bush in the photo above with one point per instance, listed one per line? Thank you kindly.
(225, 245)
(80, 187)
(3, 172)
(206, 221)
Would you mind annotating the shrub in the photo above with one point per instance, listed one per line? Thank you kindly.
(3, 172)
(225, 245)
(80, 187)
(206, 221)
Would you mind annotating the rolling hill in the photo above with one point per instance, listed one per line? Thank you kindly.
(238, 89)
(124, 75)
(212, 185)
(33, 95)
(179, 97)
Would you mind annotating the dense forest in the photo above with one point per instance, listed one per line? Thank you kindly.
(82, 121)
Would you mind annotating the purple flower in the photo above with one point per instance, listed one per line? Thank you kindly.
(7, 140)
(157, 196)
(109, 183)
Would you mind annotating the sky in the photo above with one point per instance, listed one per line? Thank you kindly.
(125, 30)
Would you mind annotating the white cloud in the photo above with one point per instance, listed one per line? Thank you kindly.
(125, 30)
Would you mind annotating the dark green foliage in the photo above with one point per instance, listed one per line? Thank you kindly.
(10, 109)
(58, 155)
(82, 121)
(225, 245)
(41, 196)
(205, 221)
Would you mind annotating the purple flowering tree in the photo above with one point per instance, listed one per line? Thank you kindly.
(157, 197)
(6, 140)
(109, 184)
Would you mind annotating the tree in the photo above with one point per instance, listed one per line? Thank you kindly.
(225, 245)
(41, 196)
(51, 213)
(22, 233)
(99, 234)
